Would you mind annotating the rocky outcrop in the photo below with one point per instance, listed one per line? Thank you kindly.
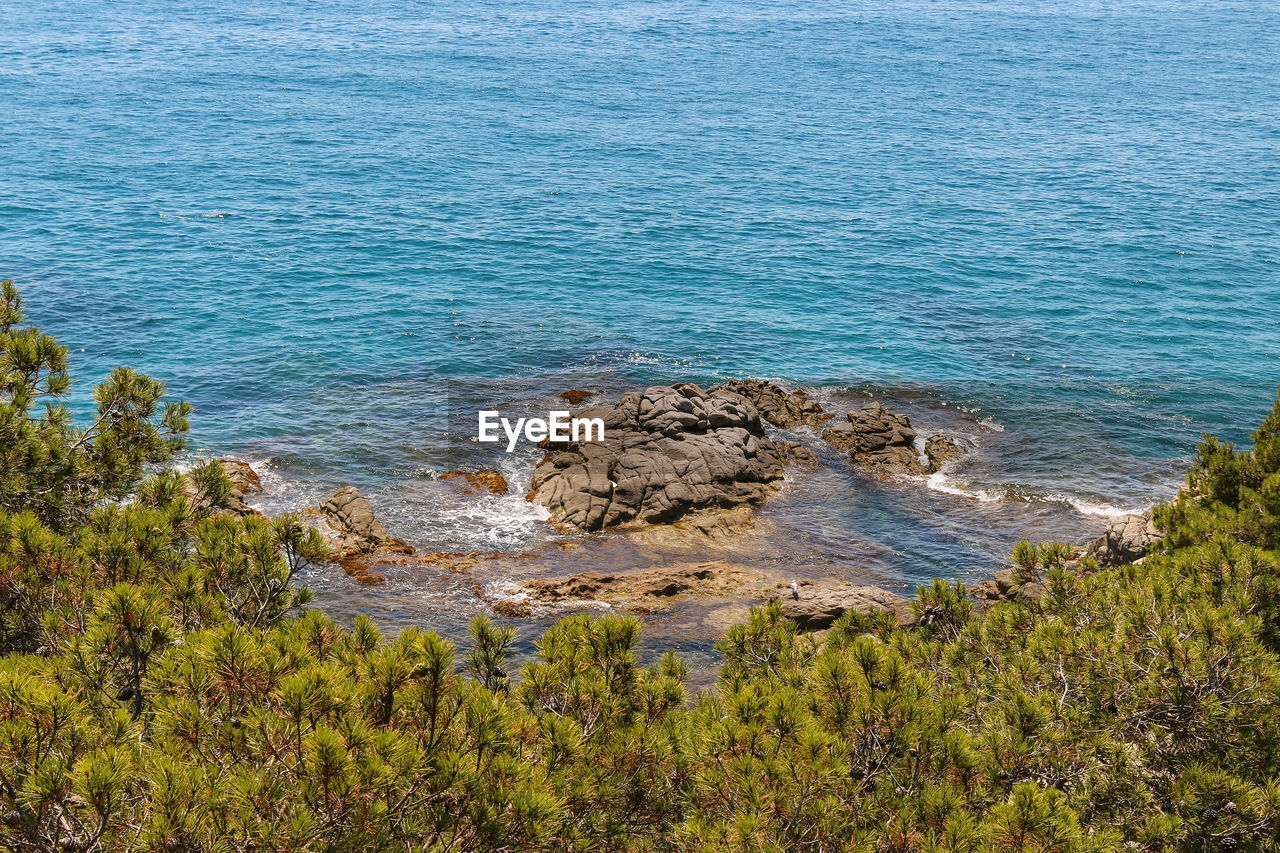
(244, 480)
(879, 438)
(356, 530)
(876, 436)
(1127, 538)
(815, 605)
(776, 405)
(939, 449)
(354, 534)
(486, 480)
(667, 451)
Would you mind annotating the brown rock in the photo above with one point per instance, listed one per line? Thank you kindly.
(1030, 592)
(795, 453)
(987, 591)
(351, 516)
(486, 479)
(574, 396)
(243, 478)
(358, 568)
(244, 481)
(776, 405)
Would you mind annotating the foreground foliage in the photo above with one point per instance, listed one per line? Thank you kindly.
(162, 687)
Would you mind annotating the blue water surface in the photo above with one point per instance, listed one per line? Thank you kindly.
(337, 227)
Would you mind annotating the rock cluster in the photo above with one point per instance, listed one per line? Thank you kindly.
(486, 480)
(354, 534)
(815, 605)
(776, 405)
(1126, 539)
(878, 437)
(667, 451)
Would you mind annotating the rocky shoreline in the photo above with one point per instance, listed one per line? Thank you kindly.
(681, 465)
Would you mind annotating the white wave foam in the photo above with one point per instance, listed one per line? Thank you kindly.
(1103, 509)
(940, 482)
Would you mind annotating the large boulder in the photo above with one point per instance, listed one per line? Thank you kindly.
(816, 605)
(667, 451)
(1127, 538)
(776, 405)
(356, 529)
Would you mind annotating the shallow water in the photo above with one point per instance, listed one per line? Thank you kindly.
(340, 228)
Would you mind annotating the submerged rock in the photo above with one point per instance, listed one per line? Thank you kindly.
(485, 480)
(1126, 539)
(776, 405)
(574, 396)
(814, 605)
(667, 451)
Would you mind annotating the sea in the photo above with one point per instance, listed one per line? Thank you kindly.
(340, 229)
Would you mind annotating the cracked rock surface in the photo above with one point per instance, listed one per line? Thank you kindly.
(667, 451)
(1127, 538)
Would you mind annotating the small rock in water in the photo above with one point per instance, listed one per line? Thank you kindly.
(878, 437)
(939, 449)
(357, 538)
(574, 396)
(244, 481)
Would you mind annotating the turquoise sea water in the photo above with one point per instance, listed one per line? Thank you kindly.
(339, 228)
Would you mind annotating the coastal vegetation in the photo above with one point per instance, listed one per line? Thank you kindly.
(164, 686)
